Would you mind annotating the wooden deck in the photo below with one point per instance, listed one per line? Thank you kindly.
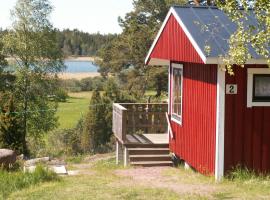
(141, 132)
(147, 139)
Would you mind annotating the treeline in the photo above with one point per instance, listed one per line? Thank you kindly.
(78, 43)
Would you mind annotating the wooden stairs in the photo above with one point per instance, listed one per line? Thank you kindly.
(148, 155)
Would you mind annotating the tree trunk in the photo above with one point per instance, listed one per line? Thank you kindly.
(25, 109)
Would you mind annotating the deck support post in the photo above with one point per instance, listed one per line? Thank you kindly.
(119, 152)
(126, 160)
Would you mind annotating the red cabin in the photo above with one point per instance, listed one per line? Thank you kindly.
(217, 121)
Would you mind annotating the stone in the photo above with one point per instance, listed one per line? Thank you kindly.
(36, 161)
(7, 157)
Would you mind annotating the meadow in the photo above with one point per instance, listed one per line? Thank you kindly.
(73, 109)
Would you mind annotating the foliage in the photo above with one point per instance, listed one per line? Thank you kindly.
(247, 34)
(14, 181)
(124, 56)
(11, 127)
(65, 142)
(93, 134)
(86, 84)
(77, 43)
(61, 95)
(32, 43)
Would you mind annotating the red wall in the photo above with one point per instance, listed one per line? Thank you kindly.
(247, 130)
(195, 140)
(173, 44)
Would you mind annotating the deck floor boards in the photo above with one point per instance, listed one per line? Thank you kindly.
(148, 139)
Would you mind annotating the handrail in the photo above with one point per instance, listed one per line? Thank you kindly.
(169, 125)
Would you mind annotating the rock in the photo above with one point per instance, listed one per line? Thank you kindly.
(58, 169)
(36, 161)
(7, 157)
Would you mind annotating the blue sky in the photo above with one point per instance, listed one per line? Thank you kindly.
(86, 15)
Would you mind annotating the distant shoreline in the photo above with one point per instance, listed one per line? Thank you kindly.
(77, 76)
(82, 58)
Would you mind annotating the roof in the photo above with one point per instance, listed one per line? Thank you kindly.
(206, 27)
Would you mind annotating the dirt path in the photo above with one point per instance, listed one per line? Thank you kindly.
(158, 177)
(85, 167)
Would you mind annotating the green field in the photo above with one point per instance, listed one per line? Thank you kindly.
(71, 111)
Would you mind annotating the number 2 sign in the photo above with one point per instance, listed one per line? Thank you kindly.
(231, 89)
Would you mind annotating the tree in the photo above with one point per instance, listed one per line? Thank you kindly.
(125, 55)
(32, 43)
(11, 127)
(94, 124)
(247, 34)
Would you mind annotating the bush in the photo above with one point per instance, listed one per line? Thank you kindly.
(14, 181)
(65, 142)
(61, 95)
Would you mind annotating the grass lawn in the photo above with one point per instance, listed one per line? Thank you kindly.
(105, 180)
(71, 111)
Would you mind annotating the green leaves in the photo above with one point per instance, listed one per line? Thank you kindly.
(257, 36)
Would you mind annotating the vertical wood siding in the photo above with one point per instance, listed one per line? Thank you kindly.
(173, 44)
(247, 130)
(195, 139)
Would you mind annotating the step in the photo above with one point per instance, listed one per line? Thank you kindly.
(148, 151)
(152, 163)
(130, 145)
(139, 158)
(150, 156)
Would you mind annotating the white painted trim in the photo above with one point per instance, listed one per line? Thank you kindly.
(179, 66)
(158, 35)
(250, 73)
(220, 124)
(218, 60)
(188, 34)
(193, 42)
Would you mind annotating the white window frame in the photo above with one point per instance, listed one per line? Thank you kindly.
(177, 66)
(251, 73)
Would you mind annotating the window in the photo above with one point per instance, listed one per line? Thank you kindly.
(258, 87)
(177, 83)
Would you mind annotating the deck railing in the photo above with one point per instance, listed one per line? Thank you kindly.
(131, 118)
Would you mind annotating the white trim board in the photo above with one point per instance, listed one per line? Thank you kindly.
(220, 124)
(250, 73)
(179, 66)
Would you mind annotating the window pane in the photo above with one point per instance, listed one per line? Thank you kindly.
(261, 85)
(177, 93)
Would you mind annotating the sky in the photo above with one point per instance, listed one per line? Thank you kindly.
(90, 16)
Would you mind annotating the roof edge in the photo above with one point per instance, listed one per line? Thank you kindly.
(182, 25)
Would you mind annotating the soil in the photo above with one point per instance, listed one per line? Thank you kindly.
(155, 177)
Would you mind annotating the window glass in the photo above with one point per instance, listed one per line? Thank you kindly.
(177, 93)
(261, 87)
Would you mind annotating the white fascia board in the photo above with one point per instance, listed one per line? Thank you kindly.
(188, 34)
(158, 35)
(218, 60)
(180, 22)
(220, 124)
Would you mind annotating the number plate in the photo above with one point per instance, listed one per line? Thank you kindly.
(231, 89)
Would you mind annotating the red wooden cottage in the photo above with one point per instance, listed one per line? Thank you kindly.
(218, 121)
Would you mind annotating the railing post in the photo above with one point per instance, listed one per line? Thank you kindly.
(124, 125)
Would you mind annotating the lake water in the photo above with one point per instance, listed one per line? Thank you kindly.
(80, 66)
